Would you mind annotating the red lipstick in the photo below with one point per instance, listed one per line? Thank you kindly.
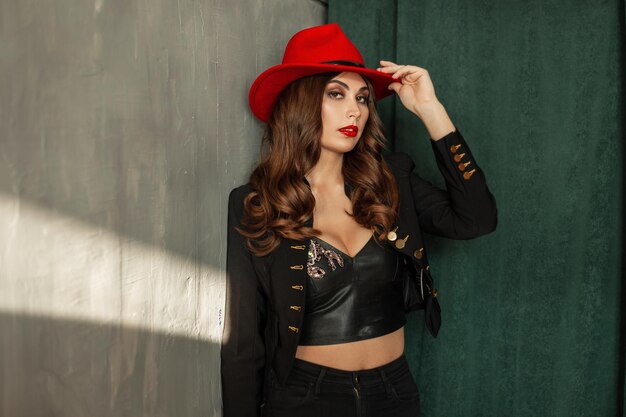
(350, 130)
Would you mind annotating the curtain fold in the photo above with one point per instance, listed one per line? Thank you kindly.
(531, 313)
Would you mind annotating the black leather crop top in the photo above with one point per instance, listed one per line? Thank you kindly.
(350, 299)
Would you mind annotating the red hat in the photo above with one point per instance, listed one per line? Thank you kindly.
(311, 51)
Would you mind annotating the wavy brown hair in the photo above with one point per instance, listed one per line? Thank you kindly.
(281, 201)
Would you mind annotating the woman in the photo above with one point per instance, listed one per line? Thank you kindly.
(322, 237)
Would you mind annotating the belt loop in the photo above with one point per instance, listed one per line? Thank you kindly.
(319, 382)
(386, 382)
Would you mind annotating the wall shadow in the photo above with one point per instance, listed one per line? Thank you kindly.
(73, 368)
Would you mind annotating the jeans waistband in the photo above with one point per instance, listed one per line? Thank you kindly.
(311, 371)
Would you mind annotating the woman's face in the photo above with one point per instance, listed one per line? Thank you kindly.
(345, 100)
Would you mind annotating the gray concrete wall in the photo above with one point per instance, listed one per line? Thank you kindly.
(123, 126)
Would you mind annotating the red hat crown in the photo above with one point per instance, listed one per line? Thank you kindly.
(321, 44)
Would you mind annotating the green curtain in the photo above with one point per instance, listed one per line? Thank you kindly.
(531, 312)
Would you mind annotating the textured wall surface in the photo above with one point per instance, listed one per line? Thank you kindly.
(123, 126)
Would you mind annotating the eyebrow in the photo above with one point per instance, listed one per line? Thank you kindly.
(346, 85)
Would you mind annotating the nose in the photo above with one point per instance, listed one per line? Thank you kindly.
(353, 110)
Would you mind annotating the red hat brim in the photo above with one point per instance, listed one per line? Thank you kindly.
(270, 83)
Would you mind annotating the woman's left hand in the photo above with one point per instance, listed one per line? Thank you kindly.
(414, 86)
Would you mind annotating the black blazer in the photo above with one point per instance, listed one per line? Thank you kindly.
(265, 296)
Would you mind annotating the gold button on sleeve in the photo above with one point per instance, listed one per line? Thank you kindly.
(464, 165)
(298, 247)
(297, 267)
(418, 253)
(298, 287)
(458, 157)
(468, 174)
(454, 148)
(294, 329)
(297, 308)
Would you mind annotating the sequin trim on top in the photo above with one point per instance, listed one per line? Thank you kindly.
(315, 255)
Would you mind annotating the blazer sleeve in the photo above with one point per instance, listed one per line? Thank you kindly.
(243, 347)
(466, 209)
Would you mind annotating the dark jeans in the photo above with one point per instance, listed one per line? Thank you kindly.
(313, 390)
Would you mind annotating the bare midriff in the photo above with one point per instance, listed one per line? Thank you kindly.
(355, 356)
